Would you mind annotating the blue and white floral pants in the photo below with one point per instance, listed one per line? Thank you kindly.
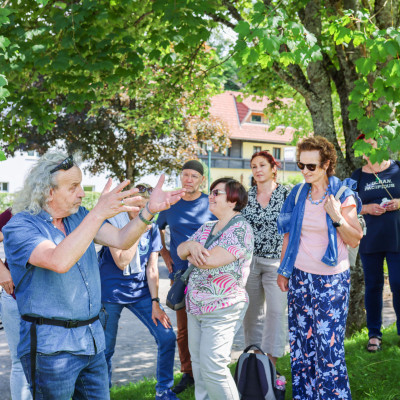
(318, 307)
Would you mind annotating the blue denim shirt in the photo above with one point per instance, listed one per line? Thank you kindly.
(74, 295)
(290, 221)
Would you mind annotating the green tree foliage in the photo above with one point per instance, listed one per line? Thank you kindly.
(329, 52)
(89, 51)
(108, 141)
(65, 56)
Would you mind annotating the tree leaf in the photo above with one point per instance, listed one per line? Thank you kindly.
(365, 65)
(3, 80)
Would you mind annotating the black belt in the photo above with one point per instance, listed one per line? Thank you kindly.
(47, 321)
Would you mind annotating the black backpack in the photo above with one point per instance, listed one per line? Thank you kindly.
(255, 377)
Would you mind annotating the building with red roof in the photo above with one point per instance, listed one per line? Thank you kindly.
(249, 132)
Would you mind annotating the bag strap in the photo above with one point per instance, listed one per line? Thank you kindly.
(246, 350)
(298, 193)
(340, 192)
(210, 240)
(185, 275)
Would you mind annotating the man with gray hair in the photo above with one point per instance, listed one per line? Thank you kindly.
(49, 244)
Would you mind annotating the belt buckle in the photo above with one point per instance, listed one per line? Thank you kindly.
(71, 324)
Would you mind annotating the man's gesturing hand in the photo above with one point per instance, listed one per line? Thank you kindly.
(160, 200)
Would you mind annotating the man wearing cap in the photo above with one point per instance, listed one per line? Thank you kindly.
(183, 219)
(49, 244)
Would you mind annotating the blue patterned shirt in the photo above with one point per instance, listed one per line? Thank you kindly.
(74, 295)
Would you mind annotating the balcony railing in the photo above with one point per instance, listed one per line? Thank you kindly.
(242, 163)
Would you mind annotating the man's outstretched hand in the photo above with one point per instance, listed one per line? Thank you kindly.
(160, 200)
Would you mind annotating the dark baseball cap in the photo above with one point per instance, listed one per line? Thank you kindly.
(195, 165)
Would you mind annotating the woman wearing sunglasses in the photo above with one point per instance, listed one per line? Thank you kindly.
(315, 271)
(379, 188)
(265, 323)
(129, 278)
(216, 298)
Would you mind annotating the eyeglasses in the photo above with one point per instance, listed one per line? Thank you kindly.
(310, 167)
(144, 189)
(67, 164)
(216, 192)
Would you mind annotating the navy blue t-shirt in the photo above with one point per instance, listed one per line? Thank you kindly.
(184, 218)
(383, 231)
(124, 289)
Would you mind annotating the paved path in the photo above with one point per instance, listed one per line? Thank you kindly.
(136, 351)
(135, 355)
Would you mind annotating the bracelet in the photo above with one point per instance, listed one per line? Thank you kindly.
(143, 219)
(148, 210)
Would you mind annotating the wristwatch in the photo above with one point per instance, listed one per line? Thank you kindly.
(339, 223)
(157, 299)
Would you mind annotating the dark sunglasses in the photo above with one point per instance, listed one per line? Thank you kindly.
(216, 192)
(67, 164)
(144, 189)
(310, 167)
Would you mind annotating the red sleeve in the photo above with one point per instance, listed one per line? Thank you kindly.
(5, 217)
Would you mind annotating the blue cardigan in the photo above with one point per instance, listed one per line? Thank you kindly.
(291, 217)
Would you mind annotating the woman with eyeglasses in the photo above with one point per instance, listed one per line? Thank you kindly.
(216, 298)
(129, 278)
(315, 271)
(265, 323)
(379, 189)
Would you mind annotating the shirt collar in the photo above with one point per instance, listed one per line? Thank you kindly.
(45, 216)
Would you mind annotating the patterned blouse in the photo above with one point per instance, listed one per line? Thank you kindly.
(216, 288)
(267, 241)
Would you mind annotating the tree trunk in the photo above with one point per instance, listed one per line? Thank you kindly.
(356, 319)
(319, 102)
(130, 171)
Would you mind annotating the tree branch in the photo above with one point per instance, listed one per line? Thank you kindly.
(217, 18)
(299, 82)
(140, 19)
(232, 9)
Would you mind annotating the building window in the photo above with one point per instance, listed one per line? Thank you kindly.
(32, 153)
(256, 118)
(256, 149)
(276, 153)
(3, 186)
(88, 188)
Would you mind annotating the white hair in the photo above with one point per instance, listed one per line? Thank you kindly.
(35, 192)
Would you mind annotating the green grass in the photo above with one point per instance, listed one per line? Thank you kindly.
(372, 376)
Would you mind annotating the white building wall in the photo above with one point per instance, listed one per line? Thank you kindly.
(14, 169)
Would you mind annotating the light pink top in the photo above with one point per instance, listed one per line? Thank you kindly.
(314, 241)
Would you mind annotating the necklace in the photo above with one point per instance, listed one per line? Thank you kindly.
(316, 202)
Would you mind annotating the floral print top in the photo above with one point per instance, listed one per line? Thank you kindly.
(267, 241)
(216, 288)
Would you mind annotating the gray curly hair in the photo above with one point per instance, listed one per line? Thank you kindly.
(35, 192)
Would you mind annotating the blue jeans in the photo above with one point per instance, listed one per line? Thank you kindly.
(374, 281)
(11, 320)
(62, 376)
(165, 339)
